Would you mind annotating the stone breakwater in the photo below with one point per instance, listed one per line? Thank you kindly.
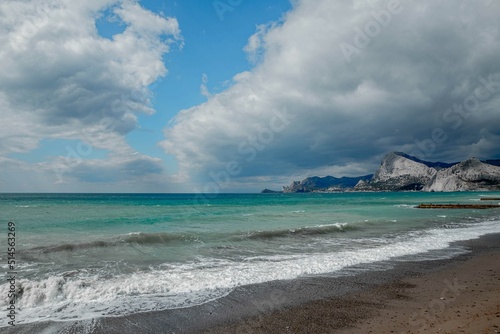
(457, 206)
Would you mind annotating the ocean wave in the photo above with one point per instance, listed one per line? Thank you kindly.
(83, 295)
(70, 247)
(80, 296)
(156, 238)
(299, 232)
(138, 238)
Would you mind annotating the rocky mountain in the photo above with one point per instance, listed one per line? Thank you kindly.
(269, 191)
(471, 174)
(327, 183)
(493, 162)
(435, 165)
(401, 172)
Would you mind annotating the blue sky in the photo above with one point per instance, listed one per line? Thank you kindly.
(214, 35)
(214, 41)
(223, 96)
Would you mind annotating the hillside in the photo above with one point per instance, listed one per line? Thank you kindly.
(326, 183)
(401, 172)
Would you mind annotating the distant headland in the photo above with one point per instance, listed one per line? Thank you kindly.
(402, 172)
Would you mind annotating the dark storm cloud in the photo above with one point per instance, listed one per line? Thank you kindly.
(358, 79)
(113, 171)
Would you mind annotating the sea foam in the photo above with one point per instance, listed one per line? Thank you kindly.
(85, 295)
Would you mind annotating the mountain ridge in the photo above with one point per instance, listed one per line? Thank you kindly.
(399, 171)
(316, 183)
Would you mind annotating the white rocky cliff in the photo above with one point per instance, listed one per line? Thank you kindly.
(471, 174)
(399, 171)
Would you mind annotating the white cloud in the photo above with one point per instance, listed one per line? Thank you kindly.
(390, 95)
(144, 22)
(116, 174)
(256, 43)
(203, 87)
(60, 79)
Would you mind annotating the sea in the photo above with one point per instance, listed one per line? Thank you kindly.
(82, 256)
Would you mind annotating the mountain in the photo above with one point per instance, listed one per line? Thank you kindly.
(326, 183)
(471, 174)
(493, 162)
(402, 172)
(269, 191)
(399, 171)
(435, 165)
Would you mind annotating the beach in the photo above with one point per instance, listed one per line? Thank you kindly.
(461, 295)
(456, 295)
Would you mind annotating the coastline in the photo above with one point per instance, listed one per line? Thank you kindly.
(404, 299)
(457, 295)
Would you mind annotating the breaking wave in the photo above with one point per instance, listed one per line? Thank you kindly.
(130, 239)
(299, 232)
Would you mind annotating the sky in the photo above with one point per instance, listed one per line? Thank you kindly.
(238, 95)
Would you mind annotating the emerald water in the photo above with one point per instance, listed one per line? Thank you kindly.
(80, 256)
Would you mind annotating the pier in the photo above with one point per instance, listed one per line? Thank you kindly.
(457, 206)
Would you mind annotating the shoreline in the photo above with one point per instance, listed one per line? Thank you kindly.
(457, 295)
(376, 300)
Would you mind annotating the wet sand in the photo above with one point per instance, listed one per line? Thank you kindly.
(458, 295)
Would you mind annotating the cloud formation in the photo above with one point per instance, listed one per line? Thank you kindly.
(395, 86)
(59, 79)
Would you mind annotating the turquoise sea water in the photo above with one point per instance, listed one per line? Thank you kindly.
(88, 255)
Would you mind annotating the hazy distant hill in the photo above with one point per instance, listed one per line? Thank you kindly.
(331, 183)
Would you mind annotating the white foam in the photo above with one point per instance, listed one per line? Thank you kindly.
(338, 225)
(407, 206)
(85, 296)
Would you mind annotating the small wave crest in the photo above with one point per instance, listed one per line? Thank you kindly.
(155, 238)
(129, 239)
(300, 232)
(70, 247)
(85, 294)
(407, 206)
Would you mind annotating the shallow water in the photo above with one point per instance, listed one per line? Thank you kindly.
(87, 255)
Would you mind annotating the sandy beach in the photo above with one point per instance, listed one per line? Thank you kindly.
(462, 296)
(458, 295)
